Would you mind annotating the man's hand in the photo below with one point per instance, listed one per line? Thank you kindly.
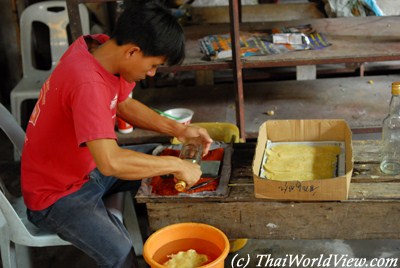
(195, 132)
(189, 172)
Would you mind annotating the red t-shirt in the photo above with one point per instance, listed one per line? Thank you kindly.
(76, 104)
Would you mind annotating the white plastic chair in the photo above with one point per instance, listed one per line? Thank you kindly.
(17, 233)
(55, 16)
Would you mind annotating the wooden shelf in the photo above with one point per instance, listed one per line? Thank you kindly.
(354, 40)
(357, 39)
(194, 59)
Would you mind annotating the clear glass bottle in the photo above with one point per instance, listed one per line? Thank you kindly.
(390, 155)
(192, 150)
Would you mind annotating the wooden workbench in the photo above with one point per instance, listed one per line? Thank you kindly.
(372, 211)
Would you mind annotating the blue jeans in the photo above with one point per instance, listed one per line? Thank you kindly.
(82, 219)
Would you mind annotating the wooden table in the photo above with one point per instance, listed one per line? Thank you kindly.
(371, 212)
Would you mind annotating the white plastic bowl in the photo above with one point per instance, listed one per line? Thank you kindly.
(181, 115)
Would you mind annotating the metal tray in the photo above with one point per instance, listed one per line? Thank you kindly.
(222, 190)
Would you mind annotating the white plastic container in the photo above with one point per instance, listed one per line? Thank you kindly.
(124, 127)
(181, 115)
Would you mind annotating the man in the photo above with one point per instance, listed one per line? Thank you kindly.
(71, 159)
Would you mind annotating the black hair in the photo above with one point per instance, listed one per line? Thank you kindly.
(152, 27)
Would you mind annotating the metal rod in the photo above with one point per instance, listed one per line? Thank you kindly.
(237, 65)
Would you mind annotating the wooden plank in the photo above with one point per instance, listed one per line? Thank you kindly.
(374, 191)
(244, 193)
(366, 151)
(361, 101)
(354, 40)
(366, 163)
(361, 39)
(204, 78)
(277, 220)
(344, 27)
(254, 13)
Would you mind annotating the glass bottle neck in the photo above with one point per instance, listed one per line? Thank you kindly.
(394, 107)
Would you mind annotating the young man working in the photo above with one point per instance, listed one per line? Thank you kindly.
(71, 159)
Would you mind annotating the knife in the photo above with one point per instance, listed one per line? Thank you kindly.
(194, 187)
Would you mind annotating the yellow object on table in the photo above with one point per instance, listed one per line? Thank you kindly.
(218, 131)
(237, 244)
(299, 162)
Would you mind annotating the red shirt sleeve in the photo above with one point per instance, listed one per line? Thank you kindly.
(94, 111)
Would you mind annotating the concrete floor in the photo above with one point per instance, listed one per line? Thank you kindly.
(278, 253)
(256, 253)
(263, 253)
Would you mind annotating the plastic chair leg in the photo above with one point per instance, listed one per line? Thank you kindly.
(13, 255)
(132, 223)
(16, 108)
(8, 254)
(16, 103)
(23, 256)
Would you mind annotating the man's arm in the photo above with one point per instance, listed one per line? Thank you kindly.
(126, 164)
(143, 117)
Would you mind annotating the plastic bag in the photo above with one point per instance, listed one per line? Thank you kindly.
(352, 8)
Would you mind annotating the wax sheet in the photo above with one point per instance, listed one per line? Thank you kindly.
(340, 168)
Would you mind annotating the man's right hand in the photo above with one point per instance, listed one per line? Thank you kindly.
(188, 172)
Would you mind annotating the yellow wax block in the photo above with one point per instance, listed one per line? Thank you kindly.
(186, 259)
(289, 162)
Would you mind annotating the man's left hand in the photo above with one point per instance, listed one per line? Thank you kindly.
(198, 133)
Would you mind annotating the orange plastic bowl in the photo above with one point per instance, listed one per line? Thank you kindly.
(203, 238)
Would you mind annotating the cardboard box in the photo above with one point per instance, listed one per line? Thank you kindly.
(301, 131)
